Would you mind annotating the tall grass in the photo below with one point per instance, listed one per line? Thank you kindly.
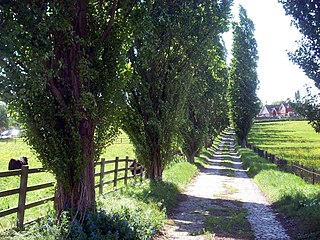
(291, 140)
(298, 200)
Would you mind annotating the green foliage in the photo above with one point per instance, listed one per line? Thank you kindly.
(306, 18)
(4, 121)
(175, 33)
(243, 79)
(295, 198)
(206, 113)
(180, 174)
(307, 106)
(124, 224)
(63, 71)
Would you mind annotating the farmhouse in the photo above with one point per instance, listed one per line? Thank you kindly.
(282, 110)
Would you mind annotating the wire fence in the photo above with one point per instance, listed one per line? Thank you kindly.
(310, 175)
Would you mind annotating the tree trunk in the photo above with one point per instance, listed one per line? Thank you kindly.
(80, 197)
(243, 142)
(190, 158)
(155, 169)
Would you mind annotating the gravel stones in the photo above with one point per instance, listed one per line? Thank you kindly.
(211, 191)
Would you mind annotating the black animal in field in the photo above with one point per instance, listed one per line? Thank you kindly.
(139, 168)
(17, 163)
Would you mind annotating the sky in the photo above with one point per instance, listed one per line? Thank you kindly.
(279, 77)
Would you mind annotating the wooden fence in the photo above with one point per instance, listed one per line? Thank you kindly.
(102, 174)
(310, 175)
(22, 191)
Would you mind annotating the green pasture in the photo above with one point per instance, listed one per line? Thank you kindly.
(294, 141)
(15, 148)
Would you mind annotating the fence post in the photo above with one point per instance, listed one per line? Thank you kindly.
(141, 173)
(22, 195)
(116, 166)
(301, 171)
(134, 168)
(313, 172)
(126, 171)
(101, 175)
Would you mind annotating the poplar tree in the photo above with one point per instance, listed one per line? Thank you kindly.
(63, 71)
(206, 108)
(243, 79)
(176, 32)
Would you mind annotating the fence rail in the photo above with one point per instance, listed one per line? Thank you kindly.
(24, 172)
(310, 175)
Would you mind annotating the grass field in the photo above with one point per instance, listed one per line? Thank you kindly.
(291, 140)
(16, 148)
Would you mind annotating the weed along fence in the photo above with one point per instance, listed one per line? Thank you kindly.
(120, 172)
(110, 173)
(310, 175)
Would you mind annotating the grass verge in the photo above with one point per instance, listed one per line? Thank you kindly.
(296, 199)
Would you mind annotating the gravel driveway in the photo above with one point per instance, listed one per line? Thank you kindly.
(223, 203)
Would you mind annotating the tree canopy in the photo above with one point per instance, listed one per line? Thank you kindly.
(206, 107)
(306, 18)
(176, 33)
(243, 78)
(63, 71)
(4, 121)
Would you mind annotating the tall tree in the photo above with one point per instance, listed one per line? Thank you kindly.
(306, 17)
(217, 104)
(206, 105)
(63, 71)
(176, 33)
(243, 79)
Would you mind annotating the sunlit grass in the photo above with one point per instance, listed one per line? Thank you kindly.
(15, 148)
(146, 203)
(298, 200)
(291, 140)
